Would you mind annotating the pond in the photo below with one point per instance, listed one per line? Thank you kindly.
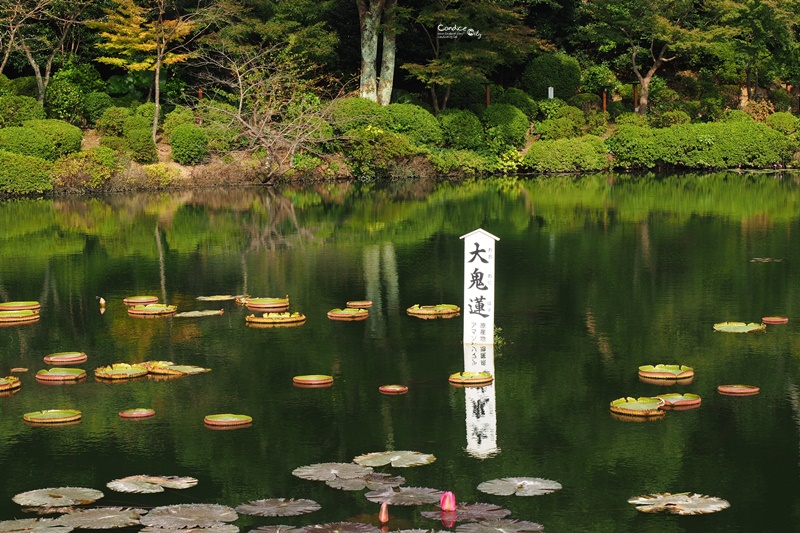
(594, 277)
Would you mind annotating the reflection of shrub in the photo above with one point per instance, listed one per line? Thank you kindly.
(14, 110)
(141, 145)
(22, 174)
(89, 169)
(559, 71)
(567, 155)
(66, 138)
(414, 121)
(112, 121)
(461, 129)
(189, 144)
(176, 117)
(94, 105)
(505, 125)
(26, 141)
(783, 121)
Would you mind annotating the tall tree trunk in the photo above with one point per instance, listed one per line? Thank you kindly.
(369, 16)
(389, 53)
(157, 98)
(644, 80)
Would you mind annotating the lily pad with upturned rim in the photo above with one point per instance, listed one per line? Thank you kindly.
(9, 383)
(313, 379)
(33, 525)
(102, 518)
(359, 304)
(398, 459)
(18, 317)
(52, 416)
(331, 471)
(740, 327)
(662, 371)
(216, 298)
(57, 497)
(519, 486)
(60, 374)
(372, 481)
(152, 309)
(278, 507)
(120, 371)
(276, 318)
(227, 419)
(644, 406)
(140, 300)
(682, 503)
(348, 314)
(189, 515)
(137, 413)
(471, 378)
(438, 310)
(469, 512)
(404, 496)
(738, 390)
(393, 389)
(500, 526)
(65, 358)
(677, 401)
(773, 320)
(20, 306)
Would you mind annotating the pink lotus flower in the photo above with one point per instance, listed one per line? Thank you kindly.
(447, 501)
(383, 515)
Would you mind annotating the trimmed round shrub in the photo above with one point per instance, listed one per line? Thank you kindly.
(559, 71)
(22, 174)
(670, 118)
(137, 122)
(632, 119)
(735, 115)
(176, 117)
(189, 144)
(521, 100)
(26, 141)
(461, 129)
(147, 110)
(14, 110)
(160, 175)
(548, 108)
(783, 121)
(462, 162)
(351, 113)
(140, 144)
(112, 121)
(586, 102)
(374, 152)
(89, 169)
(505, 125)
(218, 119)
(117, 144)
(25, 86)
(586, 153)
(65, 137)
(557, 128)
(418, 124)
(595, 78)
(94, 105)
(63, 100)
(596, 122)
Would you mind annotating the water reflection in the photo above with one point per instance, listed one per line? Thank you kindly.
(480, 403)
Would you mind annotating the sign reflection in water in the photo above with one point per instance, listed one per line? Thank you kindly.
(480, 403)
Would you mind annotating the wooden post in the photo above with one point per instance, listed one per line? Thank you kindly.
(488, 94)
(605, 95)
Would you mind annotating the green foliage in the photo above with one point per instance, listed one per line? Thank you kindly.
(417, 123)
(26, 141)
(670, 118)
(141, 145)
(702, 146)
(24, 86)
(148, 111)
(557, 128)
(94, 105)
(595, 78)
(117, 144)
(219, 121)
(112, 121)
(549, 107)
(461, 162)
(735, 115)
(176, 117)
(759, 109)
(355, 113)
(521, 100)
(302, 162)
(14, 110)
(65, 137)
(596, 122)
(189, 144)
(137, 122)
(63, 101)
(89, 169)
(22, 174)
(160, 176)
(780, 99)
(783, 121)
(632, 119)
(505, 126)
(586, 102)
(84, 76)
(586, 153)
(559, 71)
(374, 152)
(461, 129)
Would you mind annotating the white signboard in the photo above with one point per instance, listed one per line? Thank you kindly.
(478, 310)
(481, 416)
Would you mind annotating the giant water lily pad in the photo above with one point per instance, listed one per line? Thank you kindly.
(60, 374)
(20, 306)
(669, 372)
(499, 526)
(102, 518)
(57, 497)
(340, 527)
(198, 314)
(644, 407)
(400, 459)
(682, 503)
(678, 401)
(18, 317)
(217, 298)
(331, 471)
(9, 382)
(434, 311)
(404, 495)
(189, 515)
(519, 486)
(152, 309)
(120, 371)
(469, 512)
(372, 481)
(740, 327)
(33, 525)
(278, 507)
(348, 314)
(52, 416)
(170, 368)
(145, 484)
(216, 528)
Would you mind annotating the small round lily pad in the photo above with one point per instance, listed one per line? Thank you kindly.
(227, 419)
(662, 371)
(678, 402)
(65, 358)
(60, 374)
(471, 378)
(644, 407)
(738, 390)
(774, 320)
(52, 416)
(137, 412)
(740, 327)
(313, 380)
(348, 314)
(140, 300)
(434, 311)
(393, 389)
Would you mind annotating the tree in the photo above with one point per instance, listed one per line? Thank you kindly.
(13, 17)
(377, 17)
(654, 32)
(137, 43)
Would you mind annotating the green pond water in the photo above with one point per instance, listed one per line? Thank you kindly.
(594, 277)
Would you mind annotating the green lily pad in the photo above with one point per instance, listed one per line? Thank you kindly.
(500, 526)
(152, 309)
(644, 406)
(198, 314)
(120, 371)
(740, 327)
(662, 371)
(227, 419)
(676, 400)
(52, 416)
(400, 459)
(60, 374)
(216, 298)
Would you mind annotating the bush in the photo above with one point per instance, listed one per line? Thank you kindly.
(176, 117)
(354, 113)
(189, 144)
(783, 121)
(141, 145)
(670, 118)
(548, 108)
(25, 86)
(759, 109)
(557, 128)
(735, 115)
(89, 169)
(148, 111)
(218, 120)
(521, 100)
(418, 124)
(632, 119)
(84, 76)
(14, 110)
(374, 152)
(137, 122)
(595, 78)
(559, 71)
(94, 105)
(65, 137)
(634, 147)
(596, 122)
(505, 126)
(116, 144)
(160, 175)
(22, 174)
(26, 141)
(462, 162)
(63, 100)
(461, 129)
(112, 121)
(567, 155)
(586, 102)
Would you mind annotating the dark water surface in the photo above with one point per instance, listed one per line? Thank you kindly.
(595, 277)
